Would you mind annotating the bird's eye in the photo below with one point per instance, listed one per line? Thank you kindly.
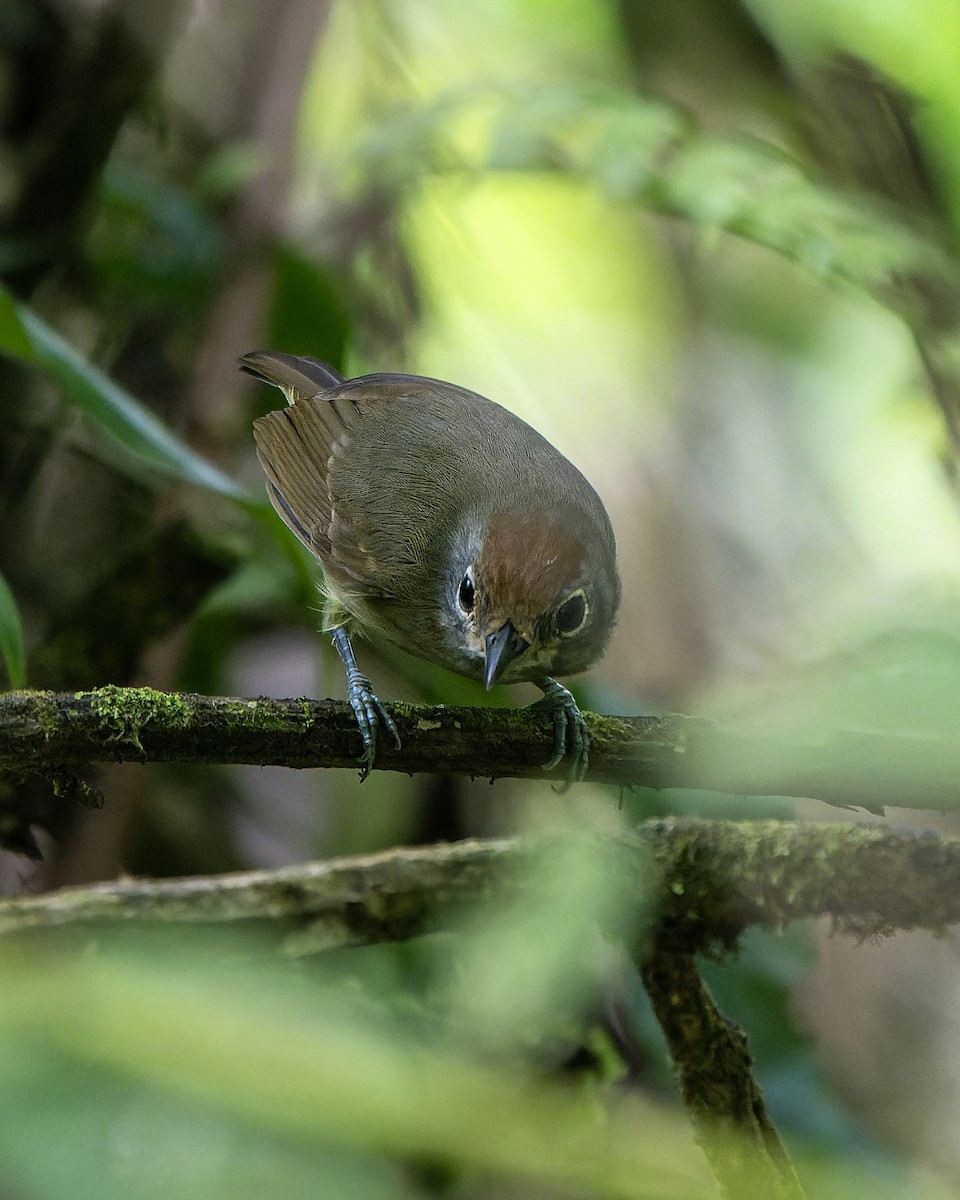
(466, 594)
(572, 614)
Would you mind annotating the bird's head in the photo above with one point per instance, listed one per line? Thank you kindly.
(532, 596)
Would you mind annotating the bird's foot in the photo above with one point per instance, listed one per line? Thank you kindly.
(365, 703)
(570, 733)
(370, 715)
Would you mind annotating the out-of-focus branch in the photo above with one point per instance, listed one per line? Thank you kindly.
(273, 57)
(704, 881)
(713, 880)
(712, 1060)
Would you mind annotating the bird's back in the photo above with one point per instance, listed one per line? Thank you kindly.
(380, 475)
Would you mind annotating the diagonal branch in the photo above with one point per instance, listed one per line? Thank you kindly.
(712, 1060)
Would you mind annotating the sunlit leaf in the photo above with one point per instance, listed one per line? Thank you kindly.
(11, 637)
(653, 155)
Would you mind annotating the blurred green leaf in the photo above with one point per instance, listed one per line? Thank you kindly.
(532, 958)
(11, 637)
(205, 1074)
(13, 337)
(228, 169)
(267, 583)
(152, 244)
(318, 1070)
(874, 724)
(117, 414)
(75, 1133)
(643, 803)
(912, 42)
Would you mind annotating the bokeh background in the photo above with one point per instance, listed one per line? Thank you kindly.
(654, 231)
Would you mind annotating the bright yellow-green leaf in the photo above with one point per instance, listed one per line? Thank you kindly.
(913, 43)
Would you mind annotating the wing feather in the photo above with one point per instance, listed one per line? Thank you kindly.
(299, 448)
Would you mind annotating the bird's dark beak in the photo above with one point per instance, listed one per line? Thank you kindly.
(502, 648)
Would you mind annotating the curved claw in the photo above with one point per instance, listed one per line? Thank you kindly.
(570, 733)
(365, 703)
(370, 714)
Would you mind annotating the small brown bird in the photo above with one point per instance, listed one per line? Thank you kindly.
(445, 524)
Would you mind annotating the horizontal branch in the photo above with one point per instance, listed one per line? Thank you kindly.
(60, 730)
(56, 732)
(714, 879)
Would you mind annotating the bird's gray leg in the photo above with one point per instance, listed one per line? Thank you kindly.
(569, 728)
(366, 706)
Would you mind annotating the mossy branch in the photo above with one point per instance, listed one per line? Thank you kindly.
(711, 1057)
(55, 733)
(712, 879)
(702, 881)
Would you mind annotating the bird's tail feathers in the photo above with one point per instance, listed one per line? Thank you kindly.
(297, 377)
